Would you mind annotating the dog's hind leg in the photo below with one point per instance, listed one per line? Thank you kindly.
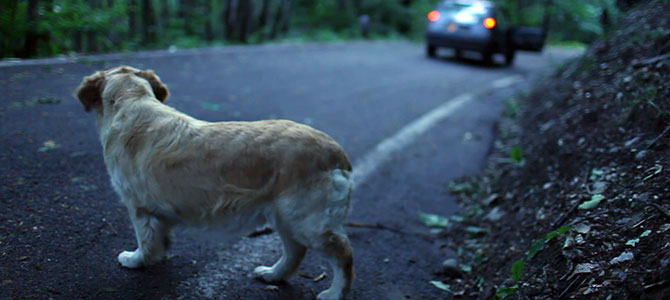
(289, 262)
(153, 239)
(337, 249)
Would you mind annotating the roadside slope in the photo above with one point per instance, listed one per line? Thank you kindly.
(575, 201)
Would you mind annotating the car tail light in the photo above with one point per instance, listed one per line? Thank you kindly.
(489, 23)
(433, 15)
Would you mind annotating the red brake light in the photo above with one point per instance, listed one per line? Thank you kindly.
(434, 15)
(489, 23)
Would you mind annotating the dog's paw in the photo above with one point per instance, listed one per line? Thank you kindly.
(330, 294)
(266, 274)
(130, 259)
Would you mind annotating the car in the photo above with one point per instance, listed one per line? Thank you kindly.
(478, 26)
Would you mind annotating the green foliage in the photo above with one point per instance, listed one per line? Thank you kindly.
(64, 26)
(517, 269)
(512, 108)
(538, 245)
(504, 292)
(519, 265)
(516, 154)
(462, 188)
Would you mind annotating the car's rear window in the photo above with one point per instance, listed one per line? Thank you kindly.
(465, 12)
(474, 8)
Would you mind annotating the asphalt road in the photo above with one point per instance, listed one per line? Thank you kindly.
(61, 225)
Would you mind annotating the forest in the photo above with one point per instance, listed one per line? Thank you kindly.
(38, 28)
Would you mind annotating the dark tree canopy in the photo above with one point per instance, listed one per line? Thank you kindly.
(46, 27)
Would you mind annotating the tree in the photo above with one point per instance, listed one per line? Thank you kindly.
(132, 18)
(244, 10)
(148, 23)
(30, 48)
(263, 17)
(91, 31)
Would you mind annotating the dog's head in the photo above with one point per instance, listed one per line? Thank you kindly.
(101, 89)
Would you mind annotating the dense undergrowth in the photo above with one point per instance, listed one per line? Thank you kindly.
(575, 202)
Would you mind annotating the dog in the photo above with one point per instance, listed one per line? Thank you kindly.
(171, 169)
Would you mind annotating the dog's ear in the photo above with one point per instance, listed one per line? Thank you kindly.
(89, 91)
(160, 89)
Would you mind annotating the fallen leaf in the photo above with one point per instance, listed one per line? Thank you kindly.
(595, 200)
(582, 228)
(476, 230)
(625, 256)
(517, 269)
(506, 291)
(432, 220)
(48, 145)
(599, 187)
(632, 242)
(273, 288)
(654, 171)
(585, 268)
(440, 285)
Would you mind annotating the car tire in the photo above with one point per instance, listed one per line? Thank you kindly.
(509, 57)
(487, 57)
(458, 53)
(431, 51)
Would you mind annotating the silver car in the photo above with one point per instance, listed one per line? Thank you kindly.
(476, 26)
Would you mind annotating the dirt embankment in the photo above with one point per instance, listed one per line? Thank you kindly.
(575, 203)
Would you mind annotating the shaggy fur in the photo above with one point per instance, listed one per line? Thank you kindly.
(169, 169)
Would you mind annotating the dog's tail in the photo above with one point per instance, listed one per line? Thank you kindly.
(338, 202)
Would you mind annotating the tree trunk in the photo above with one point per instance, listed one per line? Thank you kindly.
(546, 21)
(7, 44)
(185, 14)
(230, 18)
(148, 23)
(132, 18)
(263, 18)
(279, 17)
(209, 31)
(244, 9)
(76, 41)
(165, 18)
(30, 46)
(91, 34)
(286, 22)
(45, 36)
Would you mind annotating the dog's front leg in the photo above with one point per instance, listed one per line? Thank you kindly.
(153, 239)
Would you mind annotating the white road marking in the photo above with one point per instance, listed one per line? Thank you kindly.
(382, 153)
(364, 167)
(506, 81)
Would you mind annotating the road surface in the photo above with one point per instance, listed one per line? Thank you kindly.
(409, 124)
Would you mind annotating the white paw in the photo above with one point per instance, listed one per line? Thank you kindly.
(329, 294)
(130, 259)
(266, 274)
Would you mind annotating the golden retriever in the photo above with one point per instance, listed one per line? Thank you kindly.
(171, 169)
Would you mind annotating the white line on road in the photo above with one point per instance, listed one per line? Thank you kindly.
(506, 81)
(408, 134)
